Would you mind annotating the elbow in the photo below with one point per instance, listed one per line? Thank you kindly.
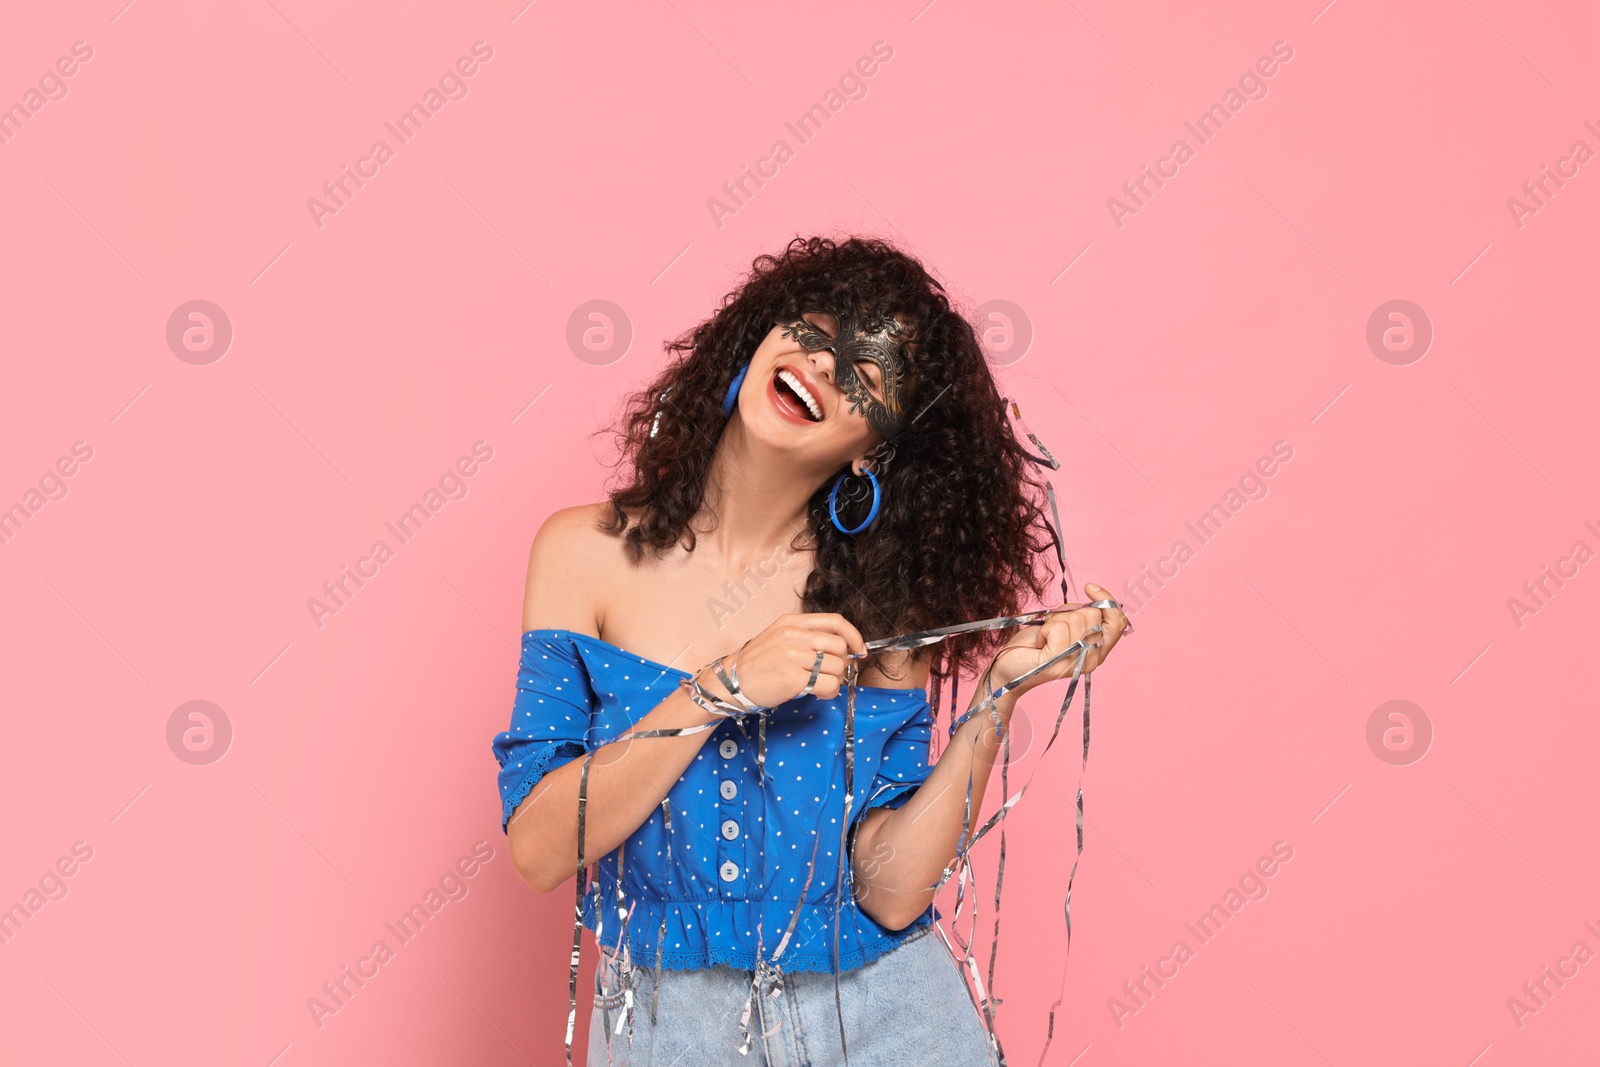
(545, 882)
(897, 921)
(541, 877)
(532, 861)
(892, 914)
(904, 919)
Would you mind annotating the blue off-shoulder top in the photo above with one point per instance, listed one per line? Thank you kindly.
(739, 853)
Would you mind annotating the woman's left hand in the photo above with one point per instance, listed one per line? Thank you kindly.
(1034, 645)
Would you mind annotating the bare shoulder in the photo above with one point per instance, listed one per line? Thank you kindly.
(568, 565)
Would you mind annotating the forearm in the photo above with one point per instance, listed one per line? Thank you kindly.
(627, 781)
(900, 853)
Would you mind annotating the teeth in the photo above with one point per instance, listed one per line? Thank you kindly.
(800, 391)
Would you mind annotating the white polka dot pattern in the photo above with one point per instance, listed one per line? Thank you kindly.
(739, 855)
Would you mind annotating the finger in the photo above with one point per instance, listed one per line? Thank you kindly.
(830, 676)
(801, 641)
(833, 622)
(846, 629)
(809, 642)
(1116, 618)
(832, 666)
(827, 687)
(1066, 630)
(829, 671)
(1113, 628)
(1100, 592)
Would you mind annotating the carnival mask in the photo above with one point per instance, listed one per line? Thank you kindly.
(874, 338)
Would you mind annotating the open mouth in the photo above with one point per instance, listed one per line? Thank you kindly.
(793, 398)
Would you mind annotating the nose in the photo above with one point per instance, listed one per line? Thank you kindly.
(822, 363)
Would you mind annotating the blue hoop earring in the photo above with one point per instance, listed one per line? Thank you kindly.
(733, 390)
(833, 504)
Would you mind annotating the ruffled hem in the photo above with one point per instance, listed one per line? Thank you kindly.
(705, 933)
(516, 785)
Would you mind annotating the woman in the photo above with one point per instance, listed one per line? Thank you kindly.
(826, 462)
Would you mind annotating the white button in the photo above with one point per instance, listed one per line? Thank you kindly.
(730, 871)
(730, 829)
(728, 749)
(728, 789)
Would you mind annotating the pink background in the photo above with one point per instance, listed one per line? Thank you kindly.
(1168, 354)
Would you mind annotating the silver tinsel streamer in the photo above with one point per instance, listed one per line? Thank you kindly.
(768, 977)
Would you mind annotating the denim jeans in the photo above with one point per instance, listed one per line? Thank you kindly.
(908, 1007)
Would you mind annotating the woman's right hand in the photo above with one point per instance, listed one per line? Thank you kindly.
(776, 664)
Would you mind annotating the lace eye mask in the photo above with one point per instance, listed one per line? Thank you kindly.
(876, 339)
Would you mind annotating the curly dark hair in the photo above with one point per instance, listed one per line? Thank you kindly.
(961, 529)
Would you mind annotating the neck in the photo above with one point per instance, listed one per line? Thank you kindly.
(758, 496)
